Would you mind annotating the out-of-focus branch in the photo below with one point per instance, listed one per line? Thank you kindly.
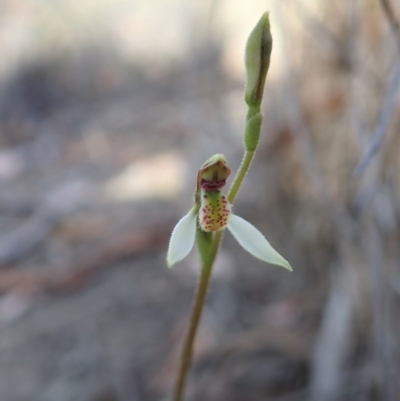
(395, 25)
(298, 125)
(388, 107)
(383, 123)
(337, 333)
(384, 344)
(328, 42)
(335, 338)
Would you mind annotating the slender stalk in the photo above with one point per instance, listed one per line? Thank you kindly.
(197, 309)
(202, 286)
(237, 182)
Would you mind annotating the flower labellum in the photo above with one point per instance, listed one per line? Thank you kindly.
(212, 212)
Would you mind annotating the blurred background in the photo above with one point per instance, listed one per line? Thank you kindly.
(107, 111)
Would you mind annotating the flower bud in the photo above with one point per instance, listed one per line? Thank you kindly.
(257, 58)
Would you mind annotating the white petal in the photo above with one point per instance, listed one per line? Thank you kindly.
(254, 242)
(182, 238)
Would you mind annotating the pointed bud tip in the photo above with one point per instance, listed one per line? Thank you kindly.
(257, 59)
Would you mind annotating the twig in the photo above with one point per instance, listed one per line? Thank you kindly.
(395, 25)
(381, 314)
(334, 340)
(328, 361)
(383, 124)
(297, 123)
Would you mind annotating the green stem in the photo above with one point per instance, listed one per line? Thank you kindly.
(197, 309)
(202, 286)
(203, 283)
(237, 182)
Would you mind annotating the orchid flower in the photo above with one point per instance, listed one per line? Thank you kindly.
(211, 213)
